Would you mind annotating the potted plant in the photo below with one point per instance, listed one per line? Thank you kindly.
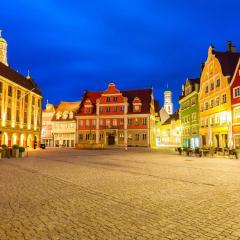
(4, 150)
(237, 152)
(21, 151)
(15, 150)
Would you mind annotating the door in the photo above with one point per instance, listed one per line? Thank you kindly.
(111, 139)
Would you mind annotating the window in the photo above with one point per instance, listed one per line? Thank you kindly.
(17, 116)
(136, 122)
(114, 109)
(236, 92)
(101, 122)
(121, 135)
(193, 101)
(108, 123)
(218, 83)
(25, 117)
(212, 86)
(87, 110)
(9, 91)
(101, 136)
(108, 109)
(0, 87)
(237, 112)
(115, 122)
(8, 114)
(217, 101)
(26, 99)
(144, 136)
(136, 137)
(33, 101)
(144, 121)
(121, 121)
(129, 122)
(108, 99)
(212, 103)
(100, 109)
(87, 123)
(87, 137)
(194, 116)
(224, 98)
(136, 108)
(115, 99)
(18, 94)
(206, 106)
(80, 137)
(122, 108)
(206, 89)
(129, 136)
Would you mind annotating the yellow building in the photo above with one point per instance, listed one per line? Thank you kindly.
(20, 105)
(169, 133)
(215, 97)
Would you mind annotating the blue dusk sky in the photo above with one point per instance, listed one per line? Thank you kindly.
(70, 46)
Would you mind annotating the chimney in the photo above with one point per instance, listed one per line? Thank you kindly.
(231, 47)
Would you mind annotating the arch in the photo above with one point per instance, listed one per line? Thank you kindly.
(14, 139)
(5, 138)
(30, 141)
(22, 139)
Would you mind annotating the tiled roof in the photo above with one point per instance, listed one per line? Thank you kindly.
(143, 94)
(19, 79)
(174, 117)
(228, 61)
(68, 107)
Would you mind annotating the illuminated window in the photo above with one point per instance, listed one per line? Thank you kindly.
(212, 86)
(206, 89)
(9, 91)
(8, 114)
(87, 123)
(108, 123)
(18, 94)
(218, 83)
(237, 112)
(121, 121)
(115, 99)
(122, 108)
(217, 101)
(144, 136)
(212, 103)
(129, 122)
(94, 122)
(114, 109)
(115, 122)
(206, 106)
(136, 122)
(136, 137)
(108, 99)
(224, 98)
(144, 121)
(101, 122)
(108, 109)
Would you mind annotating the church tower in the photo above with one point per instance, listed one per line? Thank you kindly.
(168, 105)
(3, 49)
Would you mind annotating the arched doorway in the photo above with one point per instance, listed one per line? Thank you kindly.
(14, 139)
(30, 141)
(5, 139)
(22, 138)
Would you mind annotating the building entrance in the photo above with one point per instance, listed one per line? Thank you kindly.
(111, 139)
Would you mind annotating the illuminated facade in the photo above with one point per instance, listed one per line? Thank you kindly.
(114, 117)
(64, 124)
(235, 94)
(189, 113)
(170, 131)
(47, 134)
(20, 105)
(215, 97)
(168, 105)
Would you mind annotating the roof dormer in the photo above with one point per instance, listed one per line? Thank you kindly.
(137, 104)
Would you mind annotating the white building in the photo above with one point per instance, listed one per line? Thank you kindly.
(64, 124)
(168, 105)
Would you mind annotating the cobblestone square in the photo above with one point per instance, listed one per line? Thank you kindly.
(117, 194)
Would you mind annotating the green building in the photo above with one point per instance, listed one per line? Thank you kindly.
(189, 114)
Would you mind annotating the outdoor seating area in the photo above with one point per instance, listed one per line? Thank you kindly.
(206, 151)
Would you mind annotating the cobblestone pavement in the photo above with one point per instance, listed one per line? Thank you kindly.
(114, 194)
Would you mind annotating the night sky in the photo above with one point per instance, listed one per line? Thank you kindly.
(70, 46)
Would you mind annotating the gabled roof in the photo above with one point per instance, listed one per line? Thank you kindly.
(173, 117)
(12, 75)
(66, 107)
(228, 61)
(143, 94)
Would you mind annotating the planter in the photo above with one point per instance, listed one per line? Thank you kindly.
(15, 153)
(21, 154)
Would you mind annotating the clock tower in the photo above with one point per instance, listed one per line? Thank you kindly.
(3, 49)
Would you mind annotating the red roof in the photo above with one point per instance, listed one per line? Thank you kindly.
(19, 79)
(143, 94)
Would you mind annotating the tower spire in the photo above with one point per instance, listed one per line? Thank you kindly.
(3, 49)
(28, 75)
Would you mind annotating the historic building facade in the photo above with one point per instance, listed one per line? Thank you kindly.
(47, 133)
(235, 97)
(64, 124)
(168, 104)
(215, 97)
(189, 113)
(20, 105)
(114, 117)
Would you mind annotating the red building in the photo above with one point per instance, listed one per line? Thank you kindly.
(114, 117)
(235, 98)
